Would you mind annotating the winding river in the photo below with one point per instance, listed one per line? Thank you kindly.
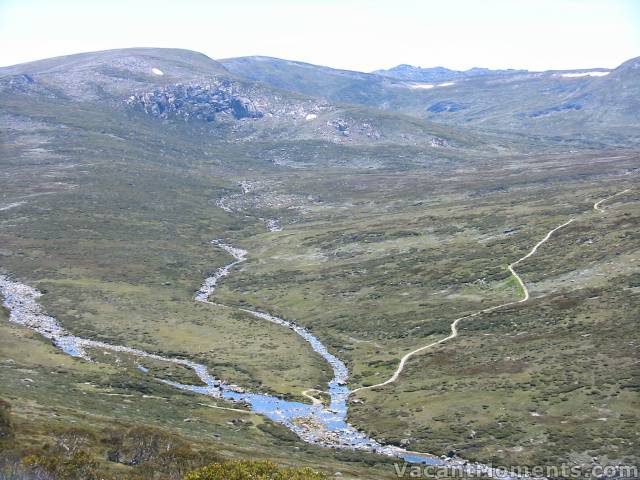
(314, 423)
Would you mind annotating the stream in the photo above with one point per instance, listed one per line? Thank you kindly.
(316, 424)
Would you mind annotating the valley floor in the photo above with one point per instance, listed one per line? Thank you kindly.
(374, 262)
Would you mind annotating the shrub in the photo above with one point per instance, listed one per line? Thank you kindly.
(79, 466)
(252, 470)
(140, 444)
(73, 440)
(174, 464)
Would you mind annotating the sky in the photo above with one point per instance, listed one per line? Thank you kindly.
(352, 34)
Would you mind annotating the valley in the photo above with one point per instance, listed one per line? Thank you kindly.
(464, 291)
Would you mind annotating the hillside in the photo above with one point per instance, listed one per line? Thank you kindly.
(188, 91)
(590, 105)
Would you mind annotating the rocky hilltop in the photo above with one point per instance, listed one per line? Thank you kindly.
(187, 90)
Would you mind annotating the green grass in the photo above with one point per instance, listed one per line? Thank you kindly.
(390, 273)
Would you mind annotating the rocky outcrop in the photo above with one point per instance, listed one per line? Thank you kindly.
(207, 102)
(348, 126)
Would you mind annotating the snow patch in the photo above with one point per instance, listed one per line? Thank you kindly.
(311, 116)
(157, 71)
(421, 86)
(585, 74)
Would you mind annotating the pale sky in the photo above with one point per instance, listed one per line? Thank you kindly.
(352, 34)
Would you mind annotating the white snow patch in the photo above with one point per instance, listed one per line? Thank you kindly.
(157, 71)
(311, 116)
(585, 74)
(446, 84)
(422, 86)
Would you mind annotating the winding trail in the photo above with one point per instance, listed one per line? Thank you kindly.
(596, 206)
(456, 322)
(11, 205)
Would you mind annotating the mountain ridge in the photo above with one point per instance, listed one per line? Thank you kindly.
(438, 74)
(587, 103)
(183, 91)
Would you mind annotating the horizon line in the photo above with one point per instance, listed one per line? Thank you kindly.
(220, 59)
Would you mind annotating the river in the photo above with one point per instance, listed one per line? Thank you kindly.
(317, 424)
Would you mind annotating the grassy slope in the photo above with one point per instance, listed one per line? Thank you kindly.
(550, 381)
(380, 264)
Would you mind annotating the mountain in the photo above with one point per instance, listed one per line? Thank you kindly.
(580, 104)
(186, 90)
(439, 74)
(343, 86)
(589, 104)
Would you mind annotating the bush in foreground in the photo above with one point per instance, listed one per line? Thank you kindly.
(252, 470)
